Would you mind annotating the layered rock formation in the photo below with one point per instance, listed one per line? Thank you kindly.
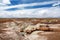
(12, 29)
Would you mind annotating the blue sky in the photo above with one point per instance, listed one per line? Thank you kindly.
(29, 8)
(14, 2)
(20, 2)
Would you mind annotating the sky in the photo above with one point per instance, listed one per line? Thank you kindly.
(29, 8)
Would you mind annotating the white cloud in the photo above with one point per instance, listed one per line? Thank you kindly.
(6, 1)
(25, 5)
(32, 13)
(56, 4)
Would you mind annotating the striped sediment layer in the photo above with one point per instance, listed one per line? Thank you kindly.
(30, 29)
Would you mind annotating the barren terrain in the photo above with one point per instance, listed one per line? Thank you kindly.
(30, 29)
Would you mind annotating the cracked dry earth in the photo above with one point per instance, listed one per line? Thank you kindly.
(19, 30)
